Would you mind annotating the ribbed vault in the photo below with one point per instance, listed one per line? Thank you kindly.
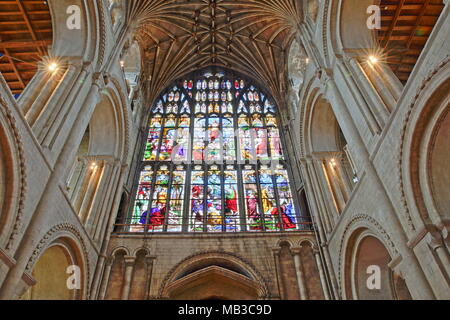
(248, 36)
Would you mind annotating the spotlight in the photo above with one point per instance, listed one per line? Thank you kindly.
(333, 162)
(373, 59)
(52, 67)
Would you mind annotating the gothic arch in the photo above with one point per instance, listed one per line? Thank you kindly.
(424, 151)
(210, 263)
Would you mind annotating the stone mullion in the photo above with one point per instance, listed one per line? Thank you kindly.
(261, 207)
(277, 199)
(169, 196)
(242, 200)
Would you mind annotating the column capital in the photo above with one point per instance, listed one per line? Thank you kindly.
(129, 261)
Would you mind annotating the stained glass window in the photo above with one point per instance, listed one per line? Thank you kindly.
(213, 161)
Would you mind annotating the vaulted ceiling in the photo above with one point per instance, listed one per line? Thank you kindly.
(248, 36)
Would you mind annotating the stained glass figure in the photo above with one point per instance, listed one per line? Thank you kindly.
(205, 161)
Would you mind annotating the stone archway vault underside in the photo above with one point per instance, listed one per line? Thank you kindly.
(248, 36)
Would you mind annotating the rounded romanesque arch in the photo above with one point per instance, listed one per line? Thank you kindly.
(367, 249)
(213, 275)
(74, 25)
(101, 152)
(12, 177)
(424, 152)
(60, 255)
(351, 30)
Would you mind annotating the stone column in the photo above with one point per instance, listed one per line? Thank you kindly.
(41, 100)
(98, 197)
(345, 117)
(437, 245)
(52, 106)
(299, 272)
(149, 261)
(276, 256)
(331, 179)
(46, 203)
(69, 103)
(105, 278)
(321, 273)
(89, 194)
(129, 268)
(106, 234)
(322, 210)
(32, 90)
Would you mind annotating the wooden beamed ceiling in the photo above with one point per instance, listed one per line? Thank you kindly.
(25, 34)
(406, 27)
(179, 36)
